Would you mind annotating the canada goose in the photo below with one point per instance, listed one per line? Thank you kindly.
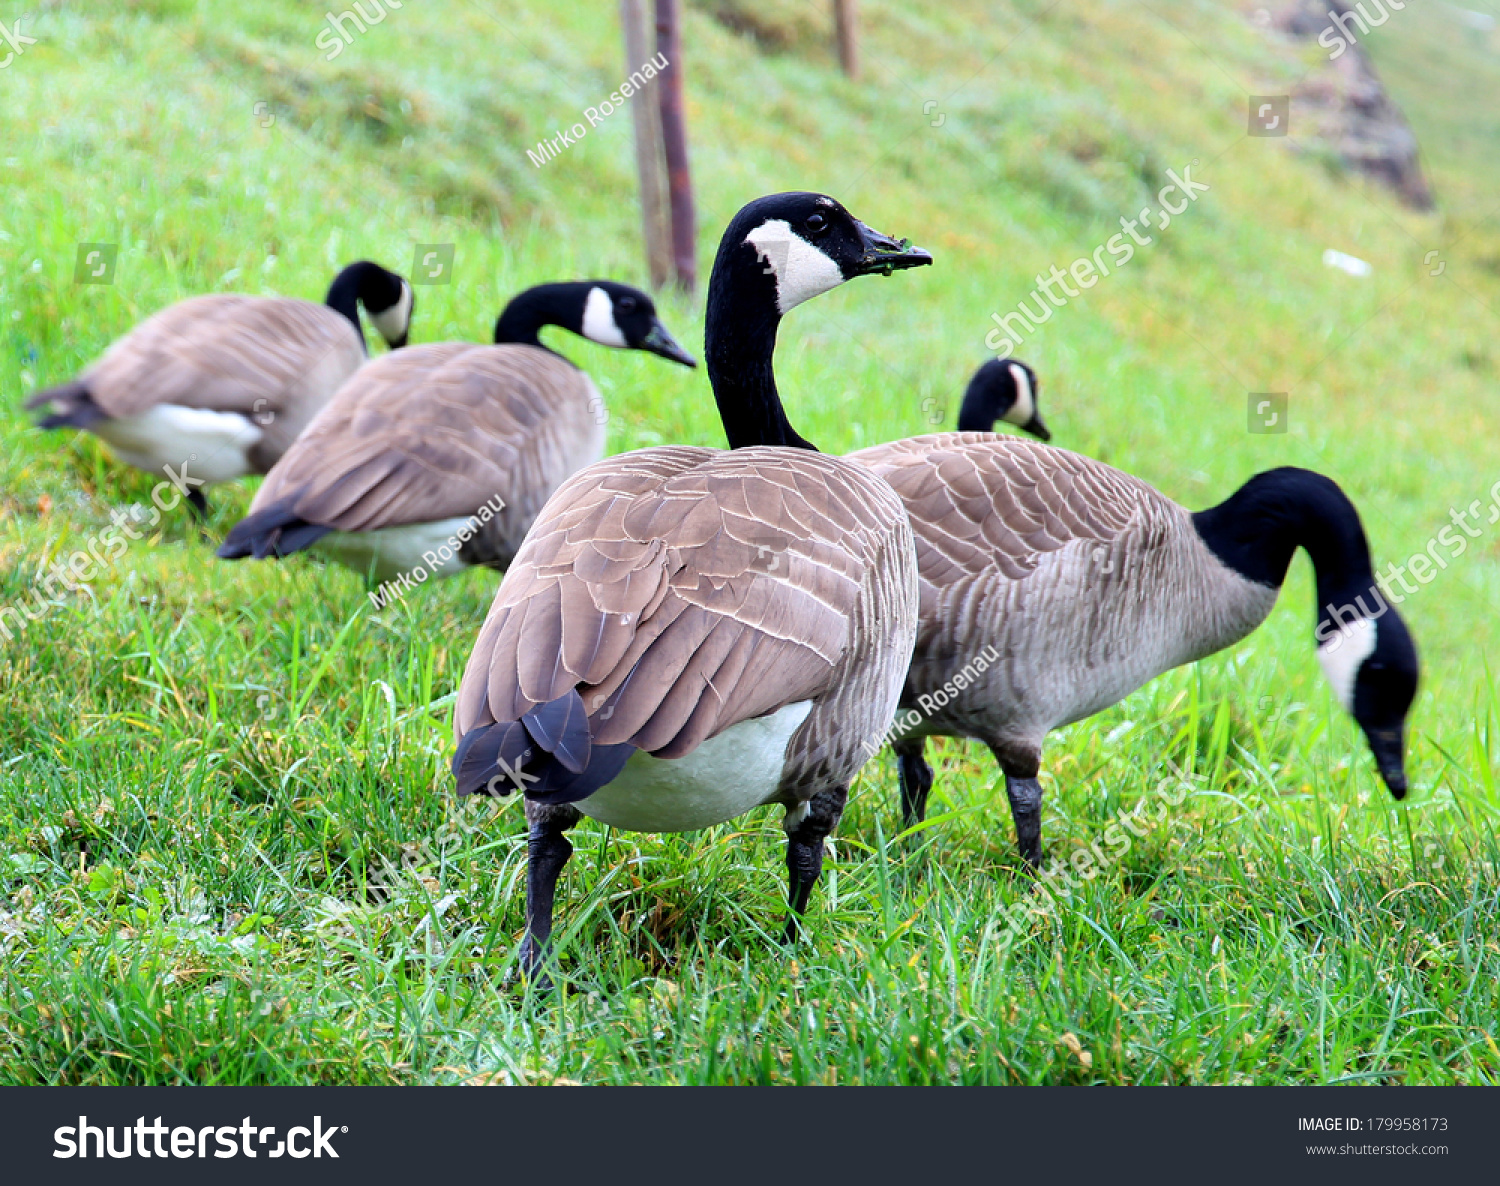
(1052, 586)
(1002, 389)
(438, 458)
(219, 386)
(689, 633)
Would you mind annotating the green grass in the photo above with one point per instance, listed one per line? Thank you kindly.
(227, 841)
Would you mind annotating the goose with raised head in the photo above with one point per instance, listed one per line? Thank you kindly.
(689, 633)
(439, 458)
(219, 386)
(1053, 586)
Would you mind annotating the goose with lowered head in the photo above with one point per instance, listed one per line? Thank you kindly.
(439, 458)
(219, 386)
(688, 633)
(1053, 586)
(1002, 389)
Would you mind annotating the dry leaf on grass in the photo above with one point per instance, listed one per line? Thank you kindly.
(1075, 1048)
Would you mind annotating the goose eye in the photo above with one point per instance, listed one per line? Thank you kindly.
(626, 305)
(817, 224)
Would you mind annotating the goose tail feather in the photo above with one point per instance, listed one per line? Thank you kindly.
(548, 754)
(276, 531)
(72, 407)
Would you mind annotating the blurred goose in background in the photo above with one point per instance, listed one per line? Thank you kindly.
(217, 387)
(687, 633)
(439, 458)
(1053, 586)
(1002, 389)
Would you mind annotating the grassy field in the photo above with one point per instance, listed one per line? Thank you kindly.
(228, 848)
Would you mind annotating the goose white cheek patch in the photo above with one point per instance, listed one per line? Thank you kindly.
(801, 270)
(392, 322)
(1342, 654)
(1024, 408)
(599, 320)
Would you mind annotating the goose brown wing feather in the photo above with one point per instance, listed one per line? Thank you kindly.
(680, 591)
(434, 432)
(983, 504)
(225, 353)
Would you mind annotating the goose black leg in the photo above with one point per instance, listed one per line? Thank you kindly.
(1020, 764)
(1025, 796)
(916, 780)
(547, 851)
(804, 849)
(199, 504)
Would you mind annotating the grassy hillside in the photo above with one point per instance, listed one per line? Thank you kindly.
(228, 847)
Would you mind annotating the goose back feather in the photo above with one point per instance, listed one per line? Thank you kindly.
(431, 433)
(1086, 581)
(680, 591)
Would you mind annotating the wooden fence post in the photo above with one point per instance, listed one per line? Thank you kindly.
(674, 140)
(648, 147)
(846, 25)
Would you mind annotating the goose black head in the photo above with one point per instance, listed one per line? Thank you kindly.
(1364, 647)
(624, 317)
(1002, 389)
(600, 310)
(387, 299)
(805, 244)
(1368, 655)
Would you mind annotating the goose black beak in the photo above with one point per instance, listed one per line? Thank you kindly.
(1386, 745)
(1037, 428)
(880, 253)
(659, 341)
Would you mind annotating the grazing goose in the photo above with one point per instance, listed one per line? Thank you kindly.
(1002, 389)
(1053, 586)
(220, 386)
(439, 458)
(689, 633)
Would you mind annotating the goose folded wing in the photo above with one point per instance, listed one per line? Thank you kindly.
(429, 433)
(224, 353)
(677, 591)
(983, 505)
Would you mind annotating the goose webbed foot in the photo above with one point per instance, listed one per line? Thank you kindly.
(199, 503)
(916, 781)
(807, 827)
(547, 851)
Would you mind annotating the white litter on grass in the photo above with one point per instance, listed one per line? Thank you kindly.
(1346, 263)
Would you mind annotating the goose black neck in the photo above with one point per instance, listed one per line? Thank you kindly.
(739, 343)
(345, 292)
(1258, 527)
(520, 322)
(982, 404)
